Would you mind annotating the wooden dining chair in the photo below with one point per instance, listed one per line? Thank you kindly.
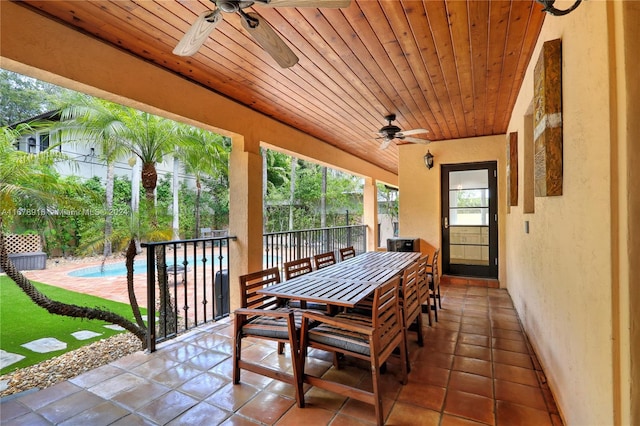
(423, 284)
(264, 317)
(372, 338)
(433, 278)
(347, 253)
(296, 268)
(410, 302)
(323, 260)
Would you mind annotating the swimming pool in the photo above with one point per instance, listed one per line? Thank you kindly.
(120, 269)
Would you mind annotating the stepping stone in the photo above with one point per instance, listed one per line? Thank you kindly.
(4, 384)
(8, 358)
(44, 345)
(114, 327)
(85, 334)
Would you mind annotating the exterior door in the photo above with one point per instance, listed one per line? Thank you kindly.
(470, 220)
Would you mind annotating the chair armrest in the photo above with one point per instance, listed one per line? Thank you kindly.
(338, 322)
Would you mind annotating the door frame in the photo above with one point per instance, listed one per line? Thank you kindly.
(476, 271)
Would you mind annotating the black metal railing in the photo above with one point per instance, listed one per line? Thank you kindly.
(190, 289)
(281, 247)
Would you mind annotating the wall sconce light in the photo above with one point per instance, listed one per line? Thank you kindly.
(32, 145)
(548, 7)
(428, 160)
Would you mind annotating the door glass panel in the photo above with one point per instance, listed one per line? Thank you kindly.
(469, 217)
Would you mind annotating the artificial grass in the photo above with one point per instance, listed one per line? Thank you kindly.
(22, 321)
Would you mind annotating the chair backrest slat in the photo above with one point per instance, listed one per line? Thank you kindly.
(410, 293)
(251, 283)
(387, 322)
(347, 253)
(297, 267)
(323, 260)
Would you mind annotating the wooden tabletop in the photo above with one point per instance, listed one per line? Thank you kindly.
(345, 283)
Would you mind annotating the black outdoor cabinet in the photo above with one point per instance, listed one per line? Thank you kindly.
(221, 291)
(403, 244)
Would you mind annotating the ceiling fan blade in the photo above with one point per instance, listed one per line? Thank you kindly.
(416, 140)
(413, 132)
(198, 33)
(307, 3)
(267, 38)
(385, 143)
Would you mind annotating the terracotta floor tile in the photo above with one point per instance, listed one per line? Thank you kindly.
(266, 407)
(510, 345)
(476, 368)
(520, 394)
(423, 395)
(475, 329)
(474, 339)
(471, 383)
(65, 408)
(167, 407)
(472, 351)
(308, 416)
(515, 374)
(404, 414)
(201, 414)
(102, 414)
(231, 397)
(512, 358)
(470, 406)
(472, 365)
(449, 420)
(508, 413)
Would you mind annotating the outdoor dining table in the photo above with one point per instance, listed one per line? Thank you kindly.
(346, 283)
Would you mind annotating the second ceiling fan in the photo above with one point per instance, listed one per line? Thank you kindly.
(391, 131)
(255, 25)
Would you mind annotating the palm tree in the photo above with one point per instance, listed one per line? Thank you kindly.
(91, 121)
(150, 138)
(203, 154)
(26, 177)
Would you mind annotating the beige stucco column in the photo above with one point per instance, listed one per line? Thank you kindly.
(370, 215)
(245, 211)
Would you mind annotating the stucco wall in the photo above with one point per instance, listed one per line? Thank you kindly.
(420, 187)
(562, 275)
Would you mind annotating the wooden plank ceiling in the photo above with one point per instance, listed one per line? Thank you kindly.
(453, 67)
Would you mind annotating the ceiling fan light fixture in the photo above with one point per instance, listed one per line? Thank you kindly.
(428, 160)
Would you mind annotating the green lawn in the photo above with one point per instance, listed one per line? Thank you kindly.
(22, 321)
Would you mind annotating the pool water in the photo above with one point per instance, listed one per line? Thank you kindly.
(120, 269)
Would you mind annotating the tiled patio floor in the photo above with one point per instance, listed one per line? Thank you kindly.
(476, 368)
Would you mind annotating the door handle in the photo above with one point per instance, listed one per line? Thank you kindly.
(446, 223)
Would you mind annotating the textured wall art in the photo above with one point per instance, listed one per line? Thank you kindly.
(547, 120)
(512, 168)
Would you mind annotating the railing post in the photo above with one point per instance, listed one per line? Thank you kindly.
(151, 298)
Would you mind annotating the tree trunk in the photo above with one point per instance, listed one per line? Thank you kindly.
(135, 196)
(168, 320)
(60, 308)
(292, 190)
(265, 180)
(133, 300)
(108, 219)
(176, 205)
(149, 180)
(198, 193)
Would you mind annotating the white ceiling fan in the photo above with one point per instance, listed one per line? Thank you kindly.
(255, 25)
(391, 131)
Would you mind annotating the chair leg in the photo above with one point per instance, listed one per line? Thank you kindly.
(377, 393)
(419, 325)
(237, 347)
(435, 305)
(280, 348)
(439, 300)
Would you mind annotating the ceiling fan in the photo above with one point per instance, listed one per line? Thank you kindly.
(391, 131)
(261, 31)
